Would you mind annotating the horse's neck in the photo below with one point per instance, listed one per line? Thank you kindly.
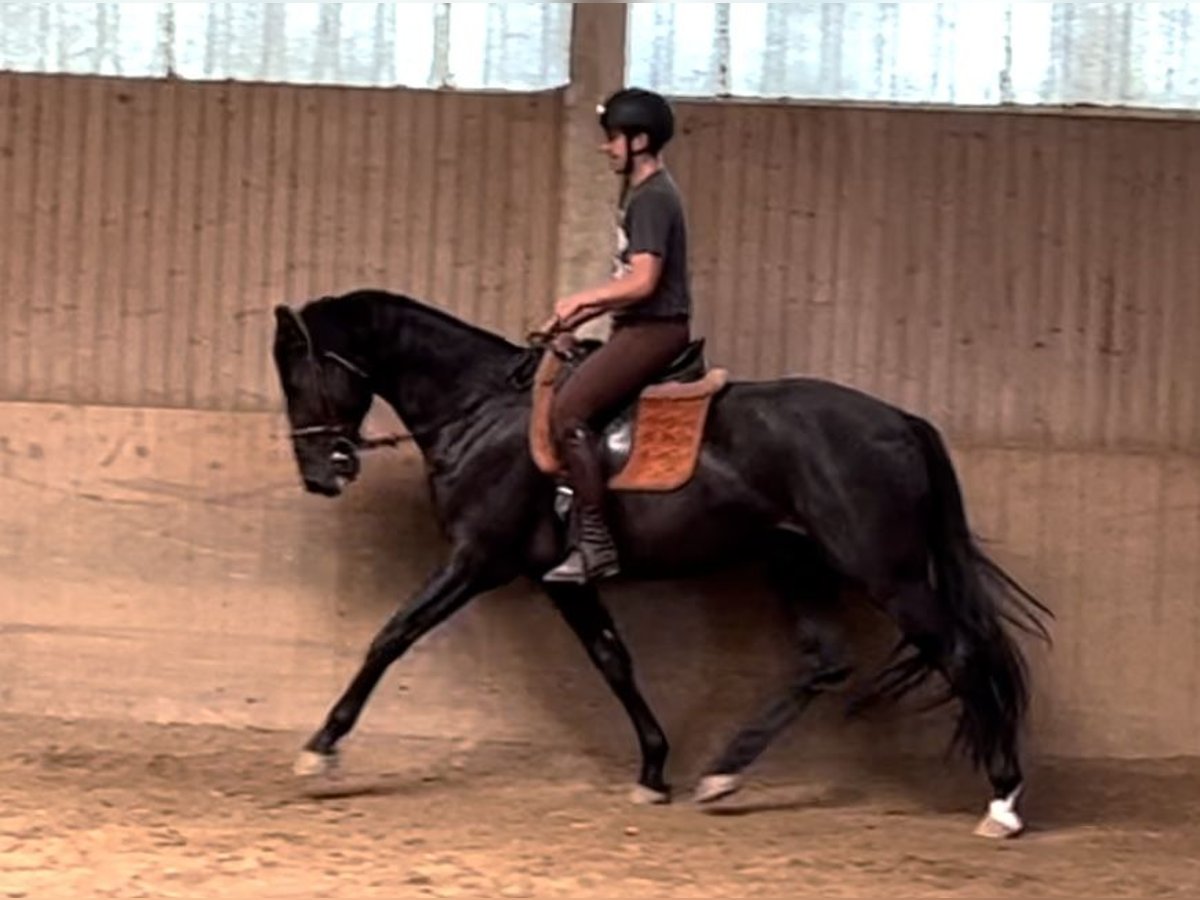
(435, 373)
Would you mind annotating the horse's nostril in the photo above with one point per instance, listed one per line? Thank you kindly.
(344, 461)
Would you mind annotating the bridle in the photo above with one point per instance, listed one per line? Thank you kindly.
(347, 439)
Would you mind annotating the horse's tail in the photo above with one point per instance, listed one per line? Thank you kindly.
(983, 663)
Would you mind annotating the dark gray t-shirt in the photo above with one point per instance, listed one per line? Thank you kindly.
(653, 221)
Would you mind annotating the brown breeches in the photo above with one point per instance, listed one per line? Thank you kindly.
(629, 360)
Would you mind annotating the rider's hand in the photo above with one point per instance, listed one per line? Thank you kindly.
(571, 307)
(563, 343)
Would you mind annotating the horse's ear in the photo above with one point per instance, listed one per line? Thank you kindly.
(289, 329)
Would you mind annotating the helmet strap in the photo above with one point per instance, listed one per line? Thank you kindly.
(623, 194)
(626, 174)
(627, 168)
(631, 155)
(627, 171)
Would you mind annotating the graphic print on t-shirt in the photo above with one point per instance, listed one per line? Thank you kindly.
(621, 257)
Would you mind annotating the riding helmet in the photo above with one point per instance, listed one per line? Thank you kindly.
(633, 111)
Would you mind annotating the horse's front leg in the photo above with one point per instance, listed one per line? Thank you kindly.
(589, 618)
(447, 590)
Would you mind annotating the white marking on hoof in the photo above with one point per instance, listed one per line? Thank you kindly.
(1001, 820)
(644, 796)
(714, 787)
(310, 764)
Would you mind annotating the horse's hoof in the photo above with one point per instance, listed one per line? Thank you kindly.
(648, 796)
(1000, 822)
(311, 764)
(714, 787)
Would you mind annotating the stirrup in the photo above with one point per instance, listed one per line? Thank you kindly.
(574, 570)
(594, 555)
(570, 571)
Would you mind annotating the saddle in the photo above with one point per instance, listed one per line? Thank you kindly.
(651, 443)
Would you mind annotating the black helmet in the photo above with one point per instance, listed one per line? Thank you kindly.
(633, 111)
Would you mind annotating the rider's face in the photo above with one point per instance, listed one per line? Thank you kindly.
(616, 149)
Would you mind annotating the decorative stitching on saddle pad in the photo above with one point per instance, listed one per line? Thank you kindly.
(667, 432)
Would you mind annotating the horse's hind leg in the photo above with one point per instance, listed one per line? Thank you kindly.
(982, 673)
(588, 617)
(795, 569)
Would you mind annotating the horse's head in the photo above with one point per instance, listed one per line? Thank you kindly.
(328, 396)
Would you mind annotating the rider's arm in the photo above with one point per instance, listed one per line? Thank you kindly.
(629, 287)
(649, 220)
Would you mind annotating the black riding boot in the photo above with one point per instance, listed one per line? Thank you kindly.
(593, 554)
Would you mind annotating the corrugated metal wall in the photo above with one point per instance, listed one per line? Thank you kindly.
(1024, 279)
(1021, 278)
(147, 228)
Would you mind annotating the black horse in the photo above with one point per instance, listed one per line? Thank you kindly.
(805, 475)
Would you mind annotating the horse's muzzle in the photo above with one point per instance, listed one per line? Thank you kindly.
(323, 488)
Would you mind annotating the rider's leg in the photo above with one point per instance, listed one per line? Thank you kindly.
(593, 553)
(630, 359)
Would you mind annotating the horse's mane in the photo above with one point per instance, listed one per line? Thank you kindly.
(369, 309)
(365, 305)
(520, 376)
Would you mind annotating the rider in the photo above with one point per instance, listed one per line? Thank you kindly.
(649, 297)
